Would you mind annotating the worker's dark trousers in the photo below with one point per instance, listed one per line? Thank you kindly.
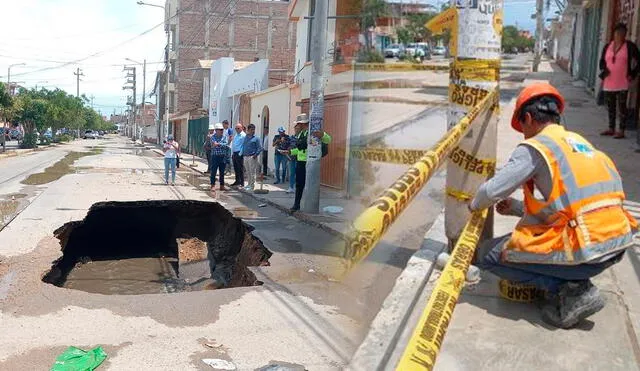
(301, 178)
(238, 168)
(544, 276)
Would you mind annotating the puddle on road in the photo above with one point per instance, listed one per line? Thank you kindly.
(59, 169)
(197, 180)
(8, 209)
(156, 247)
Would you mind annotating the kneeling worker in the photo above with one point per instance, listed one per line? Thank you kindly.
(576, 230)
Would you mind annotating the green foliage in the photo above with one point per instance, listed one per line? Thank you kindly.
(415, 31)
(371, 11)
(55, 109)
(511, 39)
(30, 140)
(370, 56)
(64, 138)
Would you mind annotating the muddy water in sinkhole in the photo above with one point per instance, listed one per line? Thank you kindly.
(152, 247)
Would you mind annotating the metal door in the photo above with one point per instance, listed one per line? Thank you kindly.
(591, 38)
(336, 113)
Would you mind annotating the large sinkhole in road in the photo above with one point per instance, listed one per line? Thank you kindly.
(150, 247)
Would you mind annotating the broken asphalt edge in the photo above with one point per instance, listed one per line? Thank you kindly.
(305, 218)
(396, 319)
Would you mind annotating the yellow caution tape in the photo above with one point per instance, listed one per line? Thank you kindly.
(518, 292)
(400, 156)
(367, 229)
(459, 195)
(400, 67)
(475, 70)
(466, 96)
(472, 164)
(404, 156)
(427, 337)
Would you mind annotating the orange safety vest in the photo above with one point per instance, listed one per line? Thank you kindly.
(583, 219)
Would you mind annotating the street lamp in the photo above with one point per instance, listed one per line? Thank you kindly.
(166, 93)
(143, 3)
(9, 71)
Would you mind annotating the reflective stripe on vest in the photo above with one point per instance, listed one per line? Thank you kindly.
(546, 231)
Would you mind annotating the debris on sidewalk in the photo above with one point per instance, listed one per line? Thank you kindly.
(332, 209)
(75, 359)
(219, 364)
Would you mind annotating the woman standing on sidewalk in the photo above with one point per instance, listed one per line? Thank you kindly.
(171, 150)
(619, 65)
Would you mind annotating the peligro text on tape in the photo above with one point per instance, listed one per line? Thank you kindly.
(427, 337)
(475, 70)
(518, 292)
(387, 155)
(466, 96)
(472, 164)
(367, 229)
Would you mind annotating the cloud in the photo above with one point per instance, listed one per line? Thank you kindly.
(44, 32)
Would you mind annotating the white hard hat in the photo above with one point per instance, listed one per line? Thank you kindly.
(211, 126)
(219, 126)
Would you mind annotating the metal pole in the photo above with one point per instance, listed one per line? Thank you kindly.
(144, 86)
(166, 99)
(476, 63)
(539, 35)
(135, 106)
(311, 195)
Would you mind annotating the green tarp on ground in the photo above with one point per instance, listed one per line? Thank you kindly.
(75, 359)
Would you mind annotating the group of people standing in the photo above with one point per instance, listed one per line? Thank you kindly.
(242, 148)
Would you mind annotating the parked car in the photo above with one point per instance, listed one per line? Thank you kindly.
(410, 51)
(439, 50)
(423, 51)
(15, 134)
(393, 50)
(90, 134)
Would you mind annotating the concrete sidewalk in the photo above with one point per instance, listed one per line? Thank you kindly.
(489, 333)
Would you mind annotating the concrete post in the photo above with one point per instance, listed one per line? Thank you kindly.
(311, 195)
(476, 39)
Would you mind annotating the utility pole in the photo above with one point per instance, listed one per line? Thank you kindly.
(539, 35)
(78, 73)
(131, 85)
(475, 71)
(144, 92)
(311, 199)
(166, 93)
(92, 97)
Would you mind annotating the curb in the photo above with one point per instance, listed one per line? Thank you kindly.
(393, 325)
(307, 219)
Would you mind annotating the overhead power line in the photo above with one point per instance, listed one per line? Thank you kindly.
(108, 49)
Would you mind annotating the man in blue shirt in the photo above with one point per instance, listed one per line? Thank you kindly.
(251, 148)
(236, 148)
(219, 151)
(228, 132)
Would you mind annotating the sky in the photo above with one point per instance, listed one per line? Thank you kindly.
(54, 37)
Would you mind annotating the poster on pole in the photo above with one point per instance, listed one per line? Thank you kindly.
(475, 39)
(314, 149)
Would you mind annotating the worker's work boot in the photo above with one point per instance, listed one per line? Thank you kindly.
(576, 301)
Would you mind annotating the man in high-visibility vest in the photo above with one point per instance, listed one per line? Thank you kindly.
(300, 153)
(573, 225)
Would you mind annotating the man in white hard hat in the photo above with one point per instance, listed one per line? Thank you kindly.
(219, 150)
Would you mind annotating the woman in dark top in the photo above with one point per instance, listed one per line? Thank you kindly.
(619, 65)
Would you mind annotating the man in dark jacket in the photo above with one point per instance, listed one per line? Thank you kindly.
(619, 66)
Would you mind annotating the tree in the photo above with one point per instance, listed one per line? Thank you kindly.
(511, 39)
(372, 10)
(415, 31)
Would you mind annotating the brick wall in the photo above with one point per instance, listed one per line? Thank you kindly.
(248, 23)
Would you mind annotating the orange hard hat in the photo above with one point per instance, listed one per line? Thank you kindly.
(534, 91)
